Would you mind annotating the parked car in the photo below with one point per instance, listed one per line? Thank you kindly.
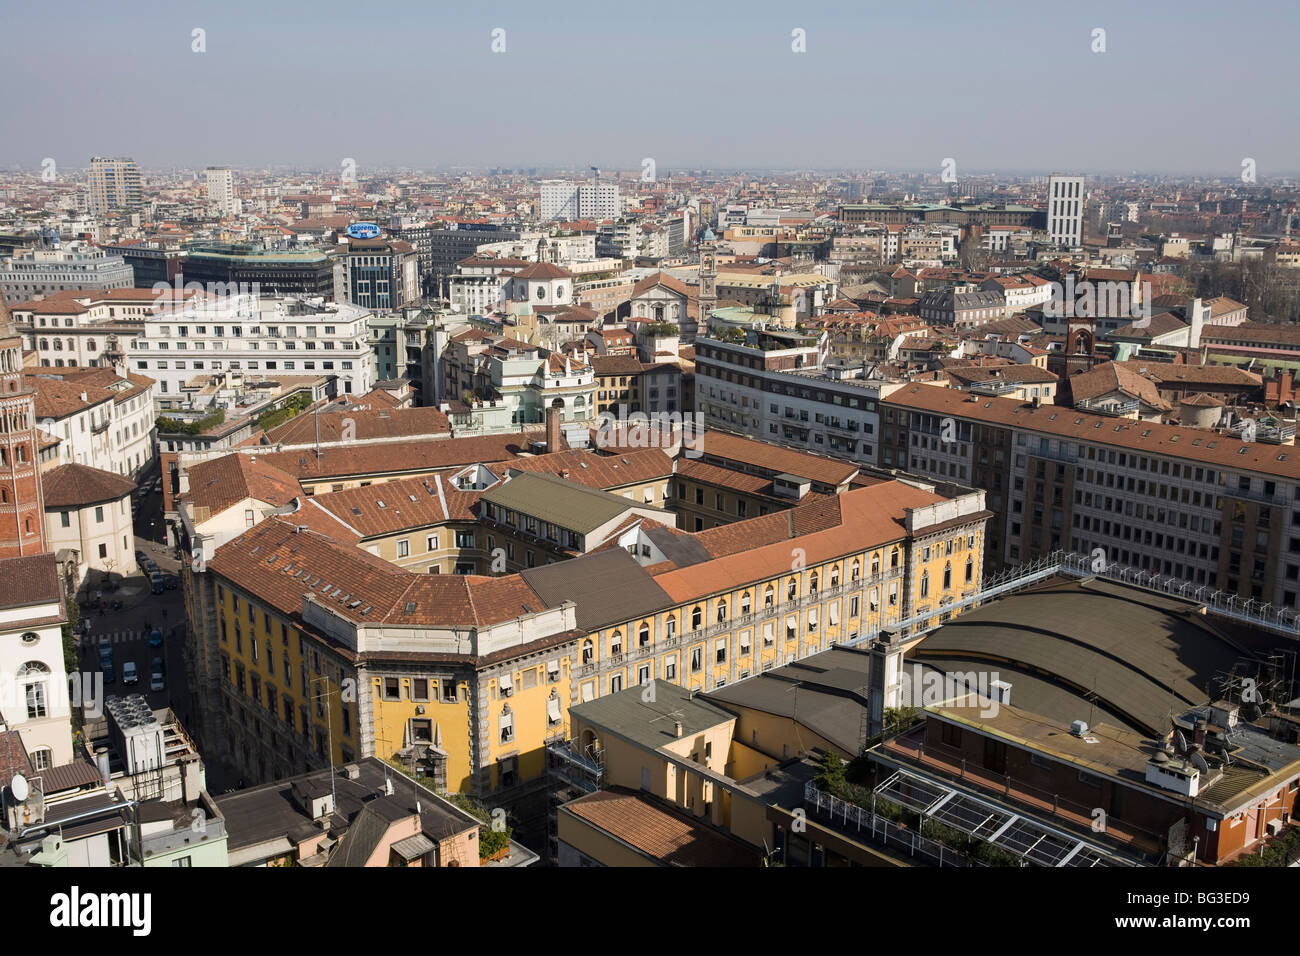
(157, 674)
(155, 638)
(156, 580)
(130, 673)
(106, 668)
(140, 556)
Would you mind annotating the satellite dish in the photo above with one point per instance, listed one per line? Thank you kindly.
(19, 787)
(1182, 741)
(1199, 763)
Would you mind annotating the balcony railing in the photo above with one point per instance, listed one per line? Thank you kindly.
(994, 387)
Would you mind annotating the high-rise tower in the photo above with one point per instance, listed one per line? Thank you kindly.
(22, 509)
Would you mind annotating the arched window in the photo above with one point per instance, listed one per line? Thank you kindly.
(4, 496)
(722, 612)
(792, 589)
(970, 570)
(925, 584)
(670, 626)
(697, 617)
(947, 576)
(58, 345)
(855, 570)
(744, 603)
(835, 576)
(812, 583)
(34, 676)
(769, 596)
(90, 345)
(616, 642)
(587, 651)
(45, 344)
(893, 558)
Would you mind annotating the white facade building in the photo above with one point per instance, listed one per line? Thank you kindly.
(787, 397)
(260, 336)
(103, 418)
(1065, 210)
(34, 685)
(564, 200)
(115, 186)
(77, 267)
(221, 190)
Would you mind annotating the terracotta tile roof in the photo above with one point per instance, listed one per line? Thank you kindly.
(772, 459)
(1169, 374)
(1252, 334)
(650, 827)
(599, 471)
(1175, 441)
(13, 757)
(410, 503)
(665, 280)
(617, 365)
(29, 580)
(59, 399)
(1112, 377)
(57, 303)
(105, 378)
(221, 483)
(1222, 305)
(543, 270)
(859, 518)
(1162, 323)
(417, 456)
(1025, 374)
(281, 564)
(74, 486)
(371, 424)
(700, 471)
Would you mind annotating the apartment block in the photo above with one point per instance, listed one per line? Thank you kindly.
(1175, 501)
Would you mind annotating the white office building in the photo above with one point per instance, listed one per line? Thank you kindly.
(1065, 210)
(260, 336)
(75, 267)
(562, 199)
(221, 190)
(115, 186)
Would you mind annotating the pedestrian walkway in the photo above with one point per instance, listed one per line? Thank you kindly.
(115, 637)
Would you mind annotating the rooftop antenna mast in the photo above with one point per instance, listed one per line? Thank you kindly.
(329, 737)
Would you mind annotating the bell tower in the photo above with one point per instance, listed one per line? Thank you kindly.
(1080, 336)
(22, 506)
(708, 294)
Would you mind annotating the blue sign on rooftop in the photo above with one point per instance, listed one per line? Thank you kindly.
(364, 230)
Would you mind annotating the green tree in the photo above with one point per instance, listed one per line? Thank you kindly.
(830, 778)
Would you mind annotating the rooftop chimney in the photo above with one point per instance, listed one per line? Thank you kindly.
(554, 437)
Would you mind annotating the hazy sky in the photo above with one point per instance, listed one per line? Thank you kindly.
(1187, 87)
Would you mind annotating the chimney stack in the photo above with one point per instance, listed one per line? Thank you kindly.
(554, 439)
